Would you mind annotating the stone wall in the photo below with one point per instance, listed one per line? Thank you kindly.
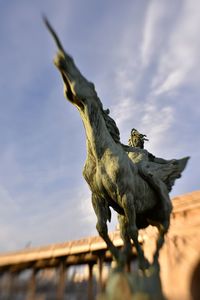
(180, 256)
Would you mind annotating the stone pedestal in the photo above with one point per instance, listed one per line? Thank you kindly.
(133, 286)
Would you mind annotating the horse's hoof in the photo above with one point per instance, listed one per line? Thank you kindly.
(144, 265)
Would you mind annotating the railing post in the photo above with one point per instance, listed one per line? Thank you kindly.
(61, 281)
(90, 282)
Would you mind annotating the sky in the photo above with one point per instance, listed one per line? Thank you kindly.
(142, 56)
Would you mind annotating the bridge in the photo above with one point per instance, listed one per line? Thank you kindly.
(182, 243)
(87, 251)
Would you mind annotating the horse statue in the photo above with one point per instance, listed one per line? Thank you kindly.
(115, 179)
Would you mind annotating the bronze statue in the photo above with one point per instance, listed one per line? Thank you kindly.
(123, 177)
(159, 173)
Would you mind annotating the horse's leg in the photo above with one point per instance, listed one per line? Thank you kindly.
(129, 209)
(127, 249)
(162, 229)
(101, 226)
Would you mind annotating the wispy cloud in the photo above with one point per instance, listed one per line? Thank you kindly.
(154, 14)
(157, 121)
(181, 57)
(135, 105)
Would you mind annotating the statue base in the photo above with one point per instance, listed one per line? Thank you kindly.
(137, 285)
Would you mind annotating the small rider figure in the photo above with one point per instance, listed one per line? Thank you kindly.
(150, 167)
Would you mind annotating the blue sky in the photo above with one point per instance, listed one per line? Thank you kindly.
(143, 57)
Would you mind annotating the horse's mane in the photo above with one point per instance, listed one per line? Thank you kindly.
(111, 125)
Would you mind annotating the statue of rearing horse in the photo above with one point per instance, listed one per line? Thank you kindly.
(114, 179)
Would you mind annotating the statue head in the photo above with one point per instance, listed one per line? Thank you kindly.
(137, 139)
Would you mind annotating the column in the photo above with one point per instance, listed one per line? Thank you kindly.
(10, 287)
(90, 282)
(61, 281)
(32, 286)
(100, 271)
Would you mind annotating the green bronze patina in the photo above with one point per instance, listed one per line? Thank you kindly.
(126, 178)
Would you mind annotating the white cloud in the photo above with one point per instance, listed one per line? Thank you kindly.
(178, 62)
(173, 80)
(154, 14)
(157, 122)
(122, 111)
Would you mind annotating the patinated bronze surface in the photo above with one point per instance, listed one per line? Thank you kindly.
(128, 179)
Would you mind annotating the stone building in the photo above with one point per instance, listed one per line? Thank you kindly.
(180, 256)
